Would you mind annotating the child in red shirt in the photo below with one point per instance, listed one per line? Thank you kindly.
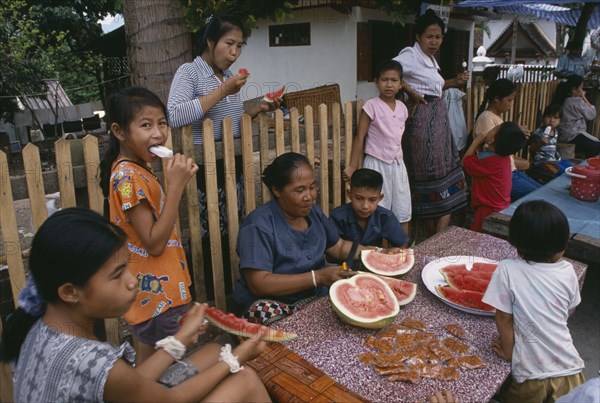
(490, 170)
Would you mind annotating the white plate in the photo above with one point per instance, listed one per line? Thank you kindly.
(431, 277)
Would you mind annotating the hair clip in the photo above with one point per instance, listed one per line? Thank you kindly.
(208, 20)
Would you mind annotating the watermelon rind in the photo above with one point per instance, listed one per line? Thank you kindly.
(348, 317)
(269, 335)
(404, 268)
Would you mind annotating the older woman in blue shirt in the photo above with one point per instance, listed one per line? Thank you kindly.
(282, 246)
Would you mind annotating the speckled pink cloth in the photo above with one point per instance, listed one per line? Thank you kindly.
(332, 345)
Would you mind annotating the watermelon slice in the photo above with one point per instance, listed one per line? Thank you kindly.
(272, 96)
(462, 270)
(404, 291)
(386, 264)
(484, 267)
(244, 72)
(240, 327)
(465, 298)
(364, 300)
(466, 282)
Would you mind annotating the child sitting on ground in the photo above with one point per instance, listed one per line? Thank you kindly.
(491, 170)
(78, 274)
(363, 221)
(533, 295)
(547, 163)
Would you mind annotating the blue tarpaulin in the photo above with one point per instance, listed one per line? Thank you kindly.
(538, 9)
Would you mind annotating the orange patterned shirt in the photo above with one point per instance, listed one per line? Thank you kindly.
(163, 281)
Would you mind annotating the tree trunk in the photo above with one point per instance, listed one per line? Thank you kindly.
(158, 42)
(581, 28)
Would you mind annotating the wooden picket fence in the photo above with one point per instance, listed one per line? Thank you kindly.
(326, 143)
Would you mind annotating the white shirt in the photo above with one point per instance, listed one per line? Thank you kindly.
(421, 71)
(539, 296)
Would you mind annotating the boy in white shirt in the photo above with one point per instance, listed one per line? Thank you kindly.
(533, 296)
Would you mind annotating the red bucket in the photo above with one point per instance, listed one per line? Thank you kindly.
(586, 182)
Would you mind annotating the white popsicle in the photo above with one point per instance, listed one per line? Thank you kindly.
(548, 130)
(162, 152)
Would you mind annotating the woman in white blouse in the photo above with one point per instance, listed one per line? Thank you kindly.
(437, 180)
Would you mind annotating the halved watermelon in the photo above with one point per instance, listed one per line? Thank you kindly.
(386, 264)
(364, 300)
(466, 282)
(404, 291)
(240, 327)
(272, 96)
(466, 298)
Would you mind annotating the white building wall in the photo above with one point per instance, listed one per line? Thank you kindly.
(331, 57)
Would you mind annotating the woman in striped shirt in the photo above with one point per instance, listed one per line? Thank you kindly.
(207, 88)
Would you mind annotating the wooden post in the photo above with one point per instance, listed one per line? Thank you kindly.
(263, 136)
(233, 222)
(323, 146)
(35, 184)
(64, 170)
(193, 213)
(295, 130)
(279, 133)
(337, 163)
(10, 233)
(309, 138)
(248, 162)
(212, 207)
(348, 136)
(91, 157)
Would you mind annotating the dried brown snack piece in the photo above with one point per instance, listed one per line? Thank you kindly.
(396, 369)
(366, 358)
(457, 331)
(440, 351)
(456, 346)
(406, 340)
(449, 374)
(413, 323)
(471, 362)
(407, 376)
(384, 345)
(452, 363)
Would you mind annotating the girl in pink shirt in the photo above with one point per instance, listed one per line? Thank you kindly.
(379, 137)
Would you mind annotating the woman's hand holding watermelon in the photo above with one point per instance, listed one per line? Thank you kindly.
(193, 325)
(234, 84)
(251, 348)
(331, 274)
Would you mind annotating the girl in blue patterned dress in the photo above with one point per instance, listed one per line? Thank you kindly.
(79, 274)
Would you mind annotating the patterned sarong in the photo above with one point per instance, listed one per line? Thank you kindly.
(437, 181)
(268, 311)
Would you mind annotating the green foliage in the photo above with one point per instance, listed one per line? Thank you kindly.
(400, 9)
(197, 11)
(47, 40)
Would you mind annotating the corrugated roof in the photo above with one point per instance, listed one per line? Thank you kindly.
(538, 8)
(55, 97)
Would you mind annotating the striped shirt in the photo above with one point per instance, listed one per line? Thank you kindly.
(191, 81)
